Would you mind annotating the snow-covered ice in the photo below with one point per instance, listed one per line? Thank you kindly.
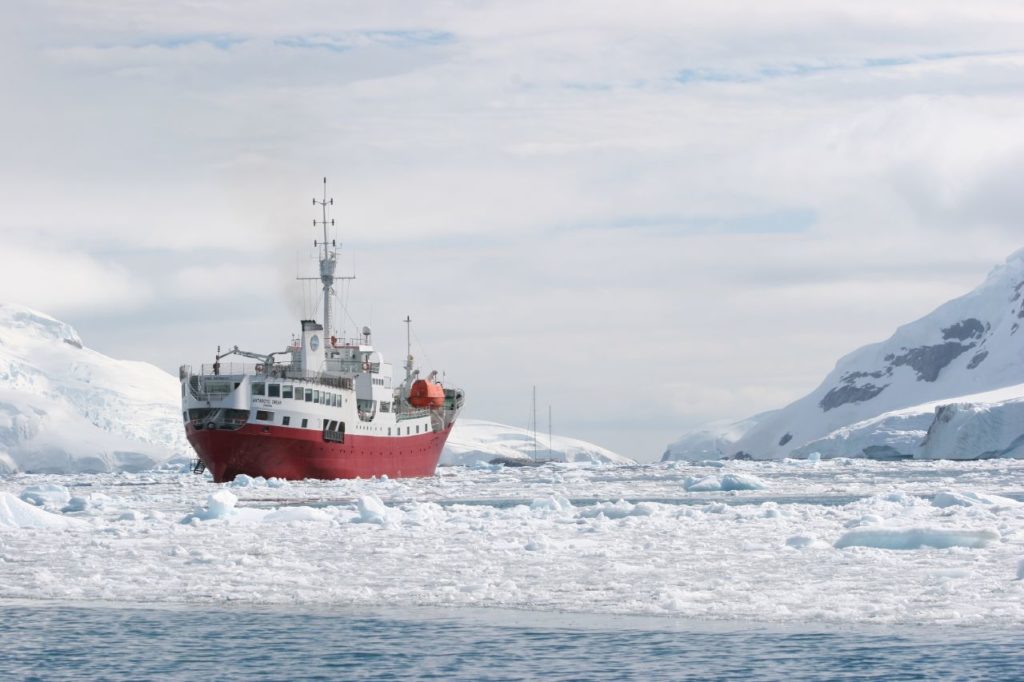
(925, 542)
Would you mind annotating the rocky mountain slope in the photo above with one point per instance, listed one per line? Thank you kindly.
(884, 399)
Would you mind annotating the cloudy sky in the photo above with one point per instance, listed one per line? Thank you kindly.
(659, 213)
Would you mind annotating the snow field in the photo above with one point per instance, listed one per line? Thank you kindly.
(937, 542)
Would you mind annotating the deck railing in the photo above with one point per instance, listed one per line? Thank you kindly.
(223, 372)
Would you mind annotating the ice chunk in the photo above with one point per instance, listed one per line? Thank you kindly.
(552, 503)
(738, 482)
(727, 482)
(16, 513)
(246, 481)
(915, 538)
(46, 495)
(617, 510)
(85, 503)
(804, 542)
(219, 505)
(814, 457)
(287, 514)
(702, 485)
(371, 510)
(950, 498)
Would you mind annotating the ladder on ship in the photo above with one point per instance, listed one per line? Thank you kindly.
(200, 467)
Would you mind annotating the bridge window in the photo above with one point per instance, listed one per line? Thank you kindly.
(309, 397)
(259, 388)
(274, 390)
(286, 391)
(316, 397)
(298, 392)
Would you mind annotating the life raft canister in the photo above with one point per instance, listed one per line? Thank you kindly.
(424, 394)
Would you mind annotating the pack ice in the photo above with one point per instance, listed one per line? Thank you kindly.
(947, 386)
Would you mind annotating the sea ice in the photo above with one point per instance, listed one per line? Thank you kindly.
(16, 513)
(608, 539)
(46, 495)
(915, 538)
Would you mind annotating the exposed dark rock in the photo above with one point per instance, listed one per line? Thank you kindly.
(1014, 328)
(841, 395)
(741, 455)
(73, 342)
(785, 439)
(928, 361)
(970, 328)
(890, 357)
(1016, 292)
(977, 359)
(851, 377)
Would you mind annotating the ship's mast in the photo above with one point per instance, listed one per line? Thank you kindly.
(328, 258)
(408, 348)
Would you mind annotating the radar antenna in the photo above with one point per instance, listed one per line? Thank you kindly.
(328, 260)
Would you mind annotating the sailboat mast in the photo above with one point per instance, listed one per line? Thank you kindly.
(550, 452)
(534, 408)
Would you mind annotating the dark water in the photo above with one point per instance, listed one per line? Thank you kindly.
(108, 643)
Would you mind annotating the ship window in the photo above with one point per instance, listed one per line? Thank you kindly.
(385, 407)
(333, 426)
(259, 389)
(274, 390)
(184, 416)
(337, 400)
(407, 430)
(298, 392)
(264, 416)
(417, 428)
(285, 421)
(304, 423)
(286, 391)
(316, 397)
(309, 395)
(389, 430)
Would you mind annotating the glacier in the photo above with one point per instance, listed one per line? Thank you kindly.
(947, 386)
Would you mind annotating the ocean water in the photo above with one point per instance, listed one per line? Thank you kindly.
(51, 642)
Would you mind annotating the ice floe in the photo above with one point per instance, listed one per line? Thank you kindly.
(916, 538)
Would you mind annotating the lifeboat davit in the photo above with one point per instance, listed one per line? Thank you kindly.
(426, 394)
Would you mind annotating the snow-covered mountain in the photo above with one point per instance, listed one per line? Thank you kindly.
(473, 441)
(936, 388)
(66, 408)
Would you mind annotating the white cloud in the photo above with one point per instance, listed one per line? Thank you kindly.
(728, 195)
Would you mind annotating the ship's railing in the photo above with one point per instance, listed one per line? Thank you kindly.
(411, 414)
(217, 378)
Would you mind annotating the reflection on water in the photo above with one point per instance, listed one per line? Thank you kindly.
(62, 642)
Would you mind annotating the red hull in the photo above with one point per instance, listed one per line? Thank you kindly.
(281, 452)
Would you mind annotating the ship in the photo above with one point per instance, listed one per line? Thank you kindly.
(325, 407)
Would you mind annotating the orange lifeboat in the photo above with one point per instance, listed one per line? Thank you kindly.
(426, 394)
